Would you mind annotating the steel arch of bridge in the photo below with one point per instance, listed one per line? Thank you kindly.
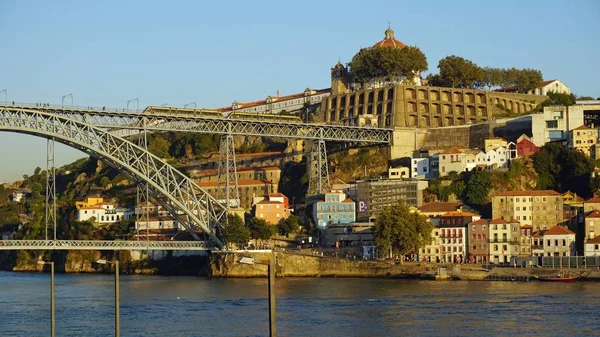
(201, 212)
(130, 122)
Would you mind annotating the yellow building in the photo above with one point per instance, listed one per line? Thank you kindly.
(399, 172)
(504, 240)
(431, 252)
(88, 202)
(494, 143)
(584, 139)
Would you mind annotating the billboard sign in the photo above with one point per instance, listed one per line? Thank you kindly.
(363, 206)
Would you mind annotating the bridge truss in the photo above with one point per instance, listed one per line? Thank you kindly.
(101, 245)
(195, 209)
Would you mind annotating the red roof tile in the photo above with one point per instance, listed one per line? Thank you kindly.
(499, 221)
(593, 214)
(558, 230)
(528, 193)
(460, 214)
(594, 240)
(594, 200)
(348, 200)
(389, 40)
(479, 222)
(440, 207)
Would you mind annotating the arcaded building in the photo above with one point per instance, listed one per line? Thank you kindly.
(412, 109)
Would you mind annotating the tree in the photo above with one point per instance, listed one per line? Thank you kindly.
(563, 169)
(234, 231)
(104, 181)
(458, 72)
(37, 170)
(399, 231)
(159, 147)
(527, 79)
(260, 229)
(478, 187)
(36, 190)
(387, 63)
(289, 225)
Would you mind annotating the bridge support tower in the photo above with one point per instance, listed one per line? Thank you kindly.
(318, 169)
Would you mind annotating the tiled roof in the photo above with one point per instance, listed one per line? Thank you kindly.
(583, 127)
(277, 195)
(526, 226)
(440, 206)
(593, 214)
(594, 200)
(537, 235)
(389, 40)
(269, 202)
(460, 214)
(499, 221)
(479, 222)
(241, 182)
(452, 150)
(528, 193)
(348, 200)
(558, 230)
(594, 240)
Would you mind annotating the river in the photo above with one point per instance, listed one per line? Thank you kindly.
(190, 306)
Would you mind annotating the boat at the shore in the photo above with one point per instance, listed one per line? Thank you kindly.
(563, 276)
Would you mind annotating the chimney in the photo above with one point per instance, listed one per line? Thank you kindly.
(277, 93)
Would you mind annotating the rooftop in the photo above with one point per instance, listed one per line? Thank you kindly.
(460, 214)
(528, 193)
(437, 206)
(595, 240)
(479, 222)
(558, 230)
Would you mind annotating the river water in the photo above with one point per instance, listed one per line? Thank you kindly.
(190, 306)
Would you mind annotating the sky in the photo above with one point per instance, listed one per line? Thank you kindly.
(105, 53)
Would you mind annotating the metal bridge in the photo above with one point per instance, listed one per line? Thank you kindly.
(100, 132)
(131, 122)
(102, 245)
(195, 209)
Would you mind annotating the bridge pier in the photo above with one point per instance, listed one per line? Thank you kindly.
(227, 181)
(50, 187)
(318, 169)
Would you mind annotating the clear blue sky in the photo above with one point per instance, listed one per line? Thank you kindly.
(215, 52)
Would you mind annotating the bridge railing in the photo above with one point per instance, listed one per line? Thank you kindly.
(102, 245)
(65, 107)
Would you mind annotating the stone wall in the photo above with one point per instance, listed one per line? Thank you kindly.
(298, 265)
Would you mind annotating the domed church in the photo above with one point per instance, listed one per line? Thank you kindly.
(342, 82)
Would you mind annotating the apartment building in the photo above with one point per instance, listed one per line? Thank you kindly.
(541, 209)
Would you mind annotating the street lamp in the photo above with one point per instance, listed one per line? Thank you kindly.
(117, 319)
(270, 263)
(40, 262)
(138, 104)
(62, 102)
(5, 95)
(193, 103)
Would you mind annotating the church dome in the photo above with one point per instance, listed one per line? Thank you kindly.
(389, 40)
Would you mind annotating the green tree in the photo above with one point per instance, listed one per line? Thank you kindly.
(478, 187)
(289, 225)
(36, 190)
(37, 170)
(387, 62)
(159, 146)
(458, 72)
(260, 229)
(399, 231)
(104, 181)
(234, 231)
(563, 169)
(527, 79)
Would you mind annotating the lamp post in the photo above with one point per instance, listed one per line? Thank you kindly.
(117, 318)
(52, 317)
(270, 263)
(193, 103)
(137, 106)
(5, 95)
(62, 101)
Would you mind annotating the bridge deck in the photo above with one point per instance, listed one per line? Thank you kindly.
(101, 245)
(129, 123)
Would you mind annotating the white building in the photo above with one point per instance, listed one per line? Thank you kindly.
(592, 247)
(545, 87)
(555, 122)
(559, 241)
(157, 222)
(419, 168)
(277, 104)
(103, 213)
